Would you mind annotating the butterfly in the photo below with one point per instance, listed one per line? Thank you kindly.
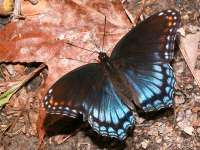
(137, 74)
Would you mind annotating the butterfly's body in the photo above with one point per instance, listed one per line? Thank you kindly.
(137, 73)
(105, 62)
(121, 85)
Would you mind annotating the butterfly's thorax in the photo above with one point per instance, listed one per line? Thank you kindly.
(109, 68)
(114, 74)
(105, 61)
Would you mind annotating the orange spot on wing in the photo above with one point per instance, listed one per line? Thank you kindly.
(56, 104)
(170, 18)
(170, 23)
(51, 101)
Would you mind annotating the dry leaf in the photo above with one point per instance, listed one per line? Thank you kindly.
(190, 48)
(42, 37)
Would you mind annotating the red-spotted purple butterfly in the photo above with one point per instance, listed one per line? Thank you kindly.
(137, 73)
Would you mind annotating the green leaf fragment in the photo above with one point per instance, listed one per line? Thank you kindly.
(4, 98)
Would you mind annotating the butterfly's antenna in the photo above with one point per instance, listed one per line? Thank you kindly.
(92, 52)
(104, 34)
(87, 62)
(81, 48)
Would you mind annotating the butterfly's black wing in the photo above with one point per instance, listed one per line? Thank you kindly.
(88, 91)
(145, 53)
(150, 41)
(153, 84)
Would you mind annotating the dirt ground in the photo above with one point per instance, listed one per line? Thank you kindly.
(162, 130)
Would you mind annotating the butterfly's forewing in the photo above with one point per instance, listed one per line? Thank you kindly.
(145, 53)
(150, 41)
(87, 91)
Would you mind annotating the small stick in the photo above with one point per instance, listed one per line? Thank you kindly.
(104, 34)
(73, 133)
(139, 13)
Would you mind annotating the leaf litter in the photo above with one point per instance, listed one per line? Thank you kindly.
(42, 38)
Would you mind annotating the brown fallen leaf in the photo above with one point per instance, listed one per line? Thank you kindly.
(42, 38)
(196, 123)
(190, 48)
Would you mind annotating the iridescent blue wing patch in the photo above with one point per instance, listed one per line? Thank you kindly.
(87, 91)
(109, 116)
(154, 85)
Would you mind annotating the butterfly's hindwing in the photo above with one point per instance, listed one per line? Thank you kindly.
(87, 91)
(154, 85)
(110, 116)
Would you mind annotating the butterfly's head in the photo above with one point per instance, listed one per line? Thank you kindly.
(103, 57)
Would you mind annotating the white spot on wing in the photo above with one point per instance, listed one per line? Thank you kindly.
(161, 13)
(60, 107)
(73, 110)
(168, 37)
(173, 13)
(50, 91)
(167, 46)
(46, 103)
(166, 57)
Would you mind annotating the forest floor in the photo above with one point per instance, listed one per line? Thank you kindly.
(158, 131)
